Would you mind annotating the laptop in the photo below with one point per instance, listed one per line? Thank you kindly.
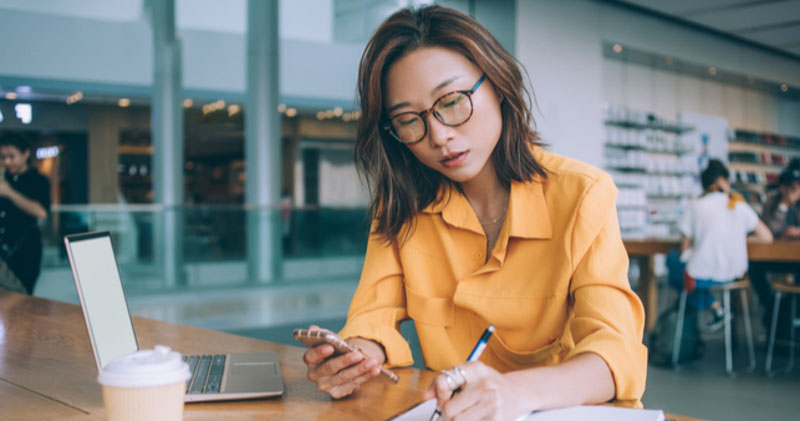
(214, 377)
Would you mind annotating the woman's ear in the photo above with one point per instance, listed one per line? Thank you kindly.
(723, 184)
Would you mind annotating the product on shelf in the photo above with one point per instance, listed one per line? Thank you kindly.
(756, 159)
(651, 164)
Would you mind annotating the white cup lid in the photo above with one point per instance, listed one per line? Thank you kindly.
(145, 368)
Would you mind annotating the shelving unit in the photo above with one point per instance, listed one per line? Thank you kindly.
(756, 159)
(647, 157)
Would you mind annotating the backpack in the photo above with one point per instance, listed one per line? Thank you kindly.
(662, 338)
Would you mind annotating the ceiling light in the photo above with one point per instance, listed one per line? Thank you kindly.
(784, 88)
(617, 48)
(187, 103)
(24, 89)
(75, 97)
(281, 108)
(320, 115)
(214, 106)
(11, 96)
(233, 109)
(291, 112)
(712, 71)
(337, 111)
(124, 102)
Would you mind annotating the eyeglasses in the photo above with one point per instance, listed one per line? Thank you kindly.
(451, 109)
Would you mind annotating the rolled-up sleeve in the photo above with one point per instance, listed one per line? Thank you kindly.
(379, 304)
(607, 316)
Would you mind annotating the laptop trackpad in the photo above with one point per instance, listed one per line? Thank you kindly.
(247, 373)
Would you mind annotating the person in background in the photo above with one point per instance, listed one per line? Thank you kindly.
(781, 213)
(714, 232)
(24, 199)
(475, 223)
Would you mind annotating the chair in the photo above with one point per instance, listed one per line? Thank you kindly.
(743, 286)
(780, 288)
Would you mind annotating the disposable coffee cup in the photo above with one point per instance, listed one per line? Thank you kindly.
(146, 385)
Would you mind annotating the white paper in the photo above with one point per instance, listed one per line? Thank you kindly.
(423, 412)
(596, 413)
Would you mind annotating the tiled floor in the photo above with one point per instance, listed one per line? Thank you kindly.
(701, 389)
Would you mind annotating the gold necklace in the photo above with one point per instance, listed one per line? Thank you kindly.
(491, 238)
(495, 220)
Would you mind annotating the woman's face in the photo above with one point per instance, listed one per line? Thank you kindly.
(15, 161)
(791, 192)
(416, 81)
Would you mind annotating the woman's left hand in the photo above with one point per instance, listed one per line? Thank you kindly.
(485, 394)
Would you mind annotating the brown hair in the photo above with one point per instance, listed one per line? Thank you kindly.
(400, 185)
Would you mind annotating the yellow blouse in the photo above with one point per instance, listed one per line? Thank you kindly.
(555, 285)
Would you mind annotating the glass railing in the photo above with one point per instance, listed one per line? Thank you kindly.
(210, 244)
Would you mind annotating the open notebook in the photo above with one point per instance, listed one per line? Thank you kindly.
(423, 411)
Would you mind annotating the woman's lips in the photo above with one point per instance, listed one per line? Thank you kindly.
(455, 160)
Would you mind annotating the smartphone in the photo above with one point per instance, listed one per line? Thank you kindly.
(312, 338)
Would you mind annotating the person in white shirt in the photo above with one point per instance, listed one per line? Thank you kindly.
(715, 231)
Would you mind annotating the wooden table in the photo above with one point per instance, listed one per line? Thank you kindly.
(644, 252)
(47, 371)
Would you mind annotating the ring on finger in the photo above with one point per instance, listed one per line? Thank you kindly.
(458, 376)
(450, 379)
(462, 376)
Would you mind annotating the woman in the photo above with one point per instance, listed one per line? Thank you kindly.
(714, 231)
(24, 198)
(474, 223)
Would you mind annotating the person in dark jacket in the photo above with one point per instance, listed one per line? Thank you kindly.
(781, 213)
(24, 199)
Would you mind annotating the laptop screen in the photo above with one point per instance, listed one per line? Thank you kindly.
(100, 289)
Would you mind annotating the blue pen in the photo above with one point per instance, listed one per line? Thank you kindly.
(481, 345)
(473, 356)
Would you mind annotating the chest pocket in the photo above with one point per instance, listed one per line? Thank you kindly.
(429, 310)
(519, 359)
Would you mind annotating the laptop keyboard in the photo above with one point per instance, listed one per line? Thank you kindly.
(206, 373)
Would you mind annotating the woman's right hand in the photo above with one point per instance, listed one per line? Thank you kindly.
(340, 375)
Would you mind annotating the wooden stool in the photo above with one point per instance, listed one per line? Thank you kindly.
(781, 288)
(743, 286)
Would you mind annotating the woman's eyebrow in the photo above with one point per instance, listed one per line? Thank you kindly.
(443, 84)
(396, 106)
(433, 92)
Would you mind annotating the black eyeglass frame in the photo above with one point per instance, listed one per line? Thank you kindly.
(469, 92)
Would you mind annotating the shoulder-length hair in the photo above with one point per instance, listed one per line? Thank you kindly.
(401, 186)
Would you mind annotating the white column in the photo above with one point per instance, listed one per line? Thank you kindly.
(167, 130)
(263, 143)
